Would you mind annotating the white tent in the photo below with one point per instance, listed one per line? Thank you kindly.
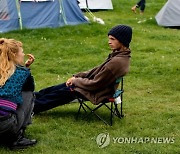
(96, 4)
(169, 15)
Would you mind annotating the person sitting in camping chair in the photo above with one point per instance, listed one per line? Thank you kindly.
(94, 85)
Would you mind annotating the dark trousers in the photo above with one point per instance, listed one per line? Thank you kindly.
(12, 124)
(54, 96)
(141, 5)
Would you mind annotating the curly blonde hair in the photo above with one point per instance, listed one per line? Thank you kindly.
(8, 50)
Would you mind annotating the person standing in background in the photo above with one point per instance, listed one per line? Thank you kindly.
(141, 5)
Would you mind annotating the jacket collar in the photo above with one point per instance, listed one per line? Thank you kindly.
(120, 53)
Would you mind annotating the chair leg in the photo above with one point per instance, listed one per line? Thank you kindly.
(122, 105)
(114, 109)
(93, 111)
(111, 116)
(80, 106)
(84, 108)
(117, 111)
(79, 111)
(112, 113)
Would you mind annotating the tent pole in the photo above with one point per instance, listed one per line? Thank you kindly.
(19, 13)
(87, 4)
(62, 9)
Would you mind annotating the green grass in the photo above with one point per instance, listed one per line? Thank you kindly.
(151, 98)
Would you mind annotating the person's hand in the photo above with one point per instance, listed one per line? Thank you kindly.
(69, 82)
(30, 60)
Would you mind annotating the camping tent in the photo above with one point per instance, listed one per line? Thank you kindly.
(15, 14)
(169, 15)
(95, 4)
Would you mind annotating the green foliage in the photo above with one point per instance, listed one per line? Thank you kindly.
(151, 98)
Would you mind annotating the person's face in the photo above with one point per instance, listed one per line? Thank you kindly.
(114, 44)
(20, 56)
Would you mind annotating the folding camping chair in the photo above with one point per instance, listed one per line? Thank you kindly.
(114, 104)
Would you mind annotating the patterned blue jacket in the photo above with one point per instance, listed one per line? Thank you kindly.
(20, 81)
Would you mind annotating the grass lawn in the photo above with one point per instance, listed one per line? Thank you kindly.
(152, 87)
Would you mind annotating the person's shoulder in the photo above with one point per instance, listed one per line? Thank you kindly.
(117, 59)
(120, 58)
(117, 62)
(22, 70)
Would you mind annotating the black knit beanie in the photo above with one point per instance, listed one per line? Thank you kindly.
(122, 33)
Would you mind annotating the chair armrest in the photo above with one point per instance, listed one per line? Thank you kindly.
(117, 93)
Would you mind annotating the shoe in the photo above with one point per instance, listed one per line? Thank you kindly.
(23, 143)
(134, 9)
(141, 12)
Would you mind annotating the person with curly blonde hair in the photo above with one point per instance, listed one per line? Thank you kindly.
(16, 94)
